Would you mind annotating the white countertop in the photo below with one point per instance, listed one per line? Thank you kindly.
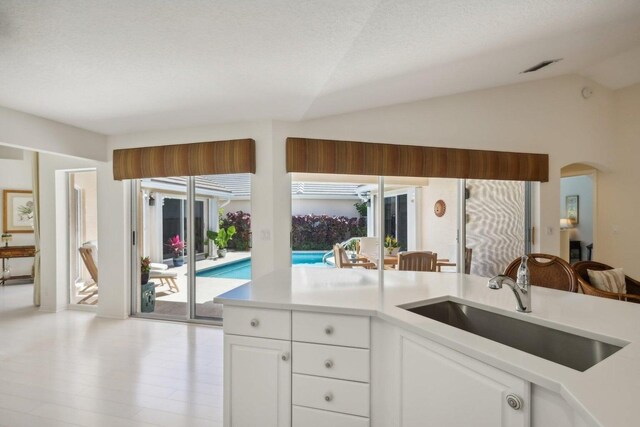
(607, 392)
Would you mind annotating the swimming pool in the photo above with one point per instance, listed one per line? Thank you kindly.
(242, 269)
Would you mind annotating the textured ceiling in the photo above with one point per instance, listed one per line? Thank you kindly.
(119, 66)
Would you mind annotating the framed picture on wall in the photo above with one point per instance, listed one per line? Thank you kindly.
(18, 211)
(573, 208)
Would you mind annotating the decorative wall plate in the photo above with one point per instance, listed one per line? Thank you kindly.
(440, 208)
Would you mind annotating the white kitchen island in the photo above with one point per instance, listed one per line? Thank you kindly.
(328, 347)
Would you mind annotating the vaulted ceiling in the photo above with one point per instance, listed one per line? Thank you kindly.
(120, 66)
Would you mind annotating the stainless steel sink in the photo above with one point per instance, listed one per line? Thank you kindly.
(561, 347)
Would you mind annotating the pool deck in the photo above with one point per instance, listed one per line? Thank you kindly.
(206, 287)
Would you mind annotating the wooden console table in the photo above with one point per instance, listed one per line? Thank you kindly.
(7, 252)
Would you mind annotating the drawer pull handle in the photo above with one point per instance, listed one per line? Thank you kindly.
(328, 363)
(328, 397)
(514, 401)
(328, 330)
(285, 357)
(254, 323)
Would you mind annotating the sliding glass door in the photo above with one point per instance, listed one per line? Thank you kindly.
(192, 235)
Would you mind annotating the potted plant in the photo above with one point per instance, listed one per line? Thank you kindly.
(221, 239)
(391, 245)
(352, 248)
(177, 247)
(145, 268)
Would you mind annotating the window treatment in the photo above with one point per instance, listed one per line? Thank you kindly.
(364, 158)
(201, 158)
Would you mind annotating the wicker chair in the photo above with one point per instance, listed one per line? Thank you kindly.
(555, 273)
(417, 261)
(581, 267)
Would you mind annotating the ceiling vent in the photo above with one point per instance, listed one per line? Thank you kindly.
(541, 65)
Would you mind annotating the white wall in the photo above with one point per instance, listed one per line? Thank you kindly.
(324, 207)
(306, 206)
(238, 205)
(582, 186)
(36, 133)
(439, 234)
(618, 228)
(16, 174)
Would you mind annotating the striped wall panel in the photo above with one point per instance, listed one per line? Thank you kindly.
(495, 225)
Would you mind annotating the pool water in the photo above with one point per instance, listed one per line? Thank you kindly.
(242, 269)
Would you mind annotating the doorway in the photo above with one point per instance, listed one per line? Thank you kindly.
(577, 212)
(83, 237)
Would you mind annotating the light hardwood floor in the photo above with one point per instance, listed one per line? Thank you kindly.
(73, 369)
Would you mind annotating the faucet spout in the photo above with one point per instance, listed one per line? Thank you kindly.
(521, 287)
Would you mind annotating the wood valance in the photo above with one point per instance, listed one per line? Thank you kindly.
(201, 158)
(364, 158)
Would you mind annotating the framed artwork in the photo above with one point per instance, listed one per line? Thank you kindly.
(18, 211)
(573, 209)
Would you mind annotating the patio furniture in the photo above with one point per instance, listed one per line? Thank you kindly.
(551, 272)
(468, 252)
(159, 271)
(581, 267)
(87, 255)
(342, 259)
(417, 261)
(165, 278)
(369, 248)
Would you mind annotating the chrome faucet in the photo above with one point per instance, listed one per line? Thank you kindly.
(521, 287)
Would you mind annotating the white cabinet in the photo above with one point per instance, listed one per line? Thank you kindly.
(416, 382)
(442, 387)
(330, 370)
(257, 378)
(308, 417)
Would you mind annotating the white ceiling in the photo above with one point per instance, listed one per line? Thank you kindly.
(120, 66)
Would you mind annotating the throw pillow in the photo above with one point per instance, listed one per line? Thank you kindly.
(608, 280)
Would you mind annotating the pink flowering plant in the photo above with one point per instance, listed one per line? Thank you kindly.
(177, 245)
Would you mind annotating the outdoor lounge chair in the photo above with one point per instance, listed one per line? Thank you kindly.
(159, 271)
(165, 278)
(342, 259)
(87, 255)
(369, 247)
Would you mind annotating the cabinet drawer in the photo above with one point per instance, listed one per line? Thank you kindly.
(307, 417)
(332, 395)
(334, 329)
(331, 361)
(257, 322)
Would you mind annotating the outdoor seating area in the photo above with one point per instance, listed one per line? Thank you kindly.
(366, 256)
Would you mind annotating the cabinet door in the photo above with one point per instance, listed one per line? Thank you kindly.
(440, 387)
(257, 382)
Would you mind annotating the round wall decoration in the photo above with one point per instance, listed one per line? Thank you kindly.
(440, 208)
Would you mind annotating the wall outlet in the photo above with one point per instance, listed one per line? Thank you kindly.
(265, 234)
